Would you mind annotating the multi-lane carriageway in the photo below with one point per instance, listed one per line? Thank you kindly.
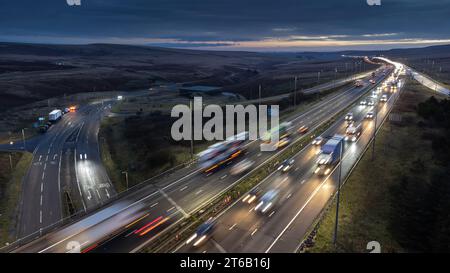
(133, 221)
(303, 195)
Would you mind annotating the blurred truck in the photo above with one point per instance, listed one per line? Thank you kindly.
(222, 152)
(329, 155)
(55, 115)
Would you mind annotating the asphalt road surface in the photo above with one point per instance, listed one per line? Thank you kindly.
(131, 222)
(41, 202)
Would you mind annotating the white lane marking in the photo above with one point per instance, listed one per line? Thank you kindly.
(40, 217)
(198, 192)
(223, 177)
(107, 193)
(46, 158)
(297, 214)
(43, 175)
(289, 195)
(41, 199)
(45, 166)
(271, 213)
(253, 233)
(173, 203)
(303, 181)
(183, 188)
(232, 226)
(54, 156)
(98, 194)
(130, 233)
(40, 157)
(42, 187)
(89, 196)
(155, 204)
(78, 182)
(170, 209)
(219, 247)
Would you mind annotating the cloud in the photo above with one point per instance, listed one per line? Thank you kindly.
(227, 23)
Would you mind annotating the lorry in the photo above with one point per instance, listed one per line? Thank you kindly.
(223, 152)
(329, 155)
(55, 115)
(353, 132)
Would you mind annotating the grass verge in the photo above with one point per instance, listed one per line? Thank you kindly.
(10, 190)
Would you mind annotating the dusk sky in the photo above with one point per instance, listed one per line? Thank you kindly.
(255, 25)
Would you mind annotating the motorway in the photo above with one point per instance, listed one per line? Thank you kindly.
(423, 79)
(53, 166)
(129, 223)
(303, 195)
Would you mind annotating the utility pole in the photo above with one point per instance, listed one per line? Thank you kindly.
(295, 91)
(192, 130)
(374, 132)
(335, 76)
(259, 95)
(10, 162)
(338, 196)
(126, 177)
(23, 137)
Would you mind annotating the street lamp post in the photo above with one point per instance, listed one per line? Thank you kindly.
(23, 137)
(126, 177)
(259, 102)
(10, 162)
(295, 91)
(338, 195)
(192, 131)
(374, 132)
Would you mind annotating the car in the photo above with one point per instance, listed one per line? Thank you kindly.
(241, 166)
(303, 129)
(252, 196)
(370, 103)
(370, 115)
(283, 142)
(267, 201)
(202, 233)
(317, 141)
(349, 116)
(286, 165)
(383, 98)
(372, 81)
(363, 102)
